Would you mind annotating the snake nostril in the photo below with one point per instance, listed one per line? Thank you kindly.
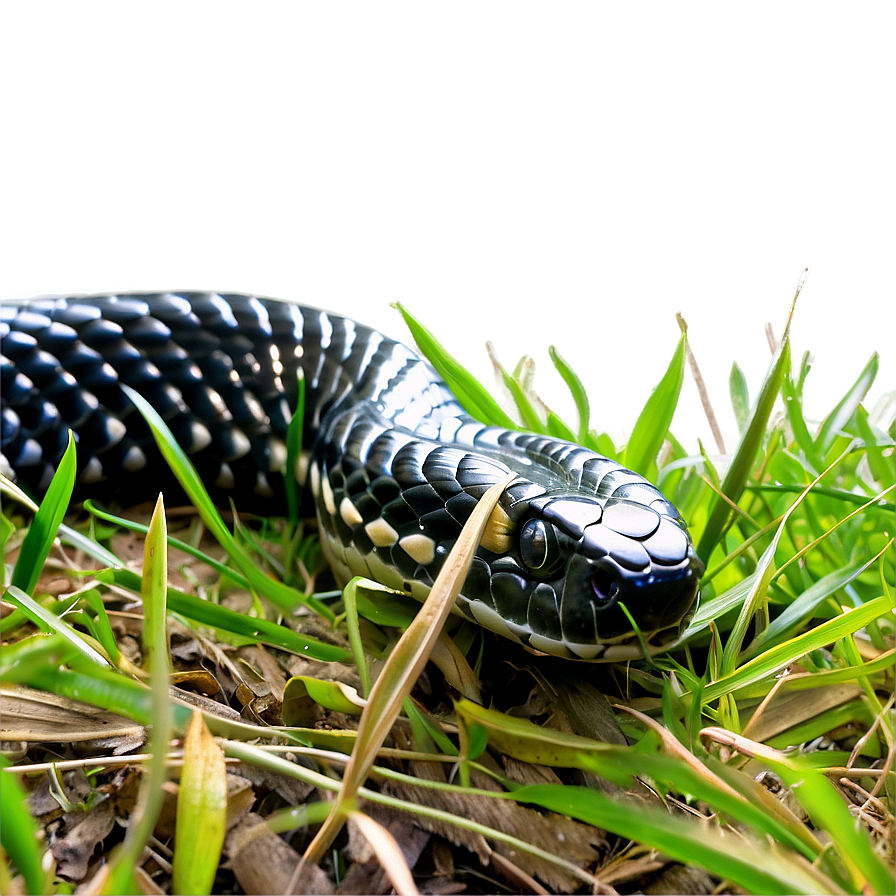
(603, 585)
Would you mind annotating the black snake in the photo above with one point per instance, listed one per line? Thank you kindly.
(394, 464)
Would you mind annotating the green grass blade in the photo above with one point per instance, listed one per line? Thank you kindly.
(294, 451)
(226, 620)
(846, 407)
(50, 622)
(39, 540)
(466, 388)
(528, 414)
(774, 659)
(881, 467)
(755, 867)
(793, 407)
(18, 833)
(653, 422)
(821, 491)
(740, 395)
(557, 428)
(126, 859)
(602, 444)
(748, 448)
(523, 740)
(827, 810)
(577, 390)
(154, 592)
(353, 627)
(282, 596)
(110, 690)
(807, 603)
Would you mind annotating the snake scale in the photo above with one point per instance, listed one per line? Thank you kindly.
(394, 464)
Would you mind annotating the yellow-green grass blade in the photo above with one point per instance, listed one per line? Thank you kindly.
(748, 448)
(203, 611)
(353, 627)
(42, 531)
(201, 811)
(792, 393)
(381, 604)
(223, 570)
(282, 596)
(876, 443)
(765, 571)
(878, 506)
(653, 422)
(854, 713)
(154, 593)
(333, 695)
(602, 444)
(110, 690)
(474, 397)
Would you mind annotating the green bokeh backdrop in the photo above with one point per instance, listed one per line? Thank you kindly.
(538, 173)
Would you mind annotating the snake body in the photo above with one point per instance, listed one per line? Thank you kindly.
(394, 464)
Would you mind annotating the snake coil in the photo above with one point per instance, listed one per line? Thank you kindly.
(394, 464)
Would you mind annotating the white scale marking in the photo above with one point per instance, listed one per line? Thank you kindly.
(419, 547)
(381, 533)
(134, 460)
(225, 477)
(349, 513)
(328, 496)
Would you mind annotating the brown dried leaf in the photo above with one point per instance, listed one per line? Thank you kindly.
(264, 863)
(787, 709)
(38, 716)
(569, 840)
(81, 833)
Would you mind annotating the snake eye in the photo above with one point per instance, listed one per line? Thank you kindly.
(539, 549)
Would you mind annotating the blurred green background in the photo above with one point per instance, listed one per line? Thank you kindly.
(535, 173)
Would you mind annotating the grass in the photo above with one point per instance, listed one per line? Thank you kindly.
(759, 752)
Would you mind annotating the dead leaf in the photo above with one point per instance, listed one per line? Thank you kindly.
(264, 863)
(41, 717)
(81, 833)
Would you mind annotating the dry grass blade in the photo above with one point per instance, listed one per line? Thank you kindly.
(404, 666)
(388, 852)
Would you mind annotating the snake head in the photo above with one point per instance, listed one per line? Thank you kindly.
(585, 568)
